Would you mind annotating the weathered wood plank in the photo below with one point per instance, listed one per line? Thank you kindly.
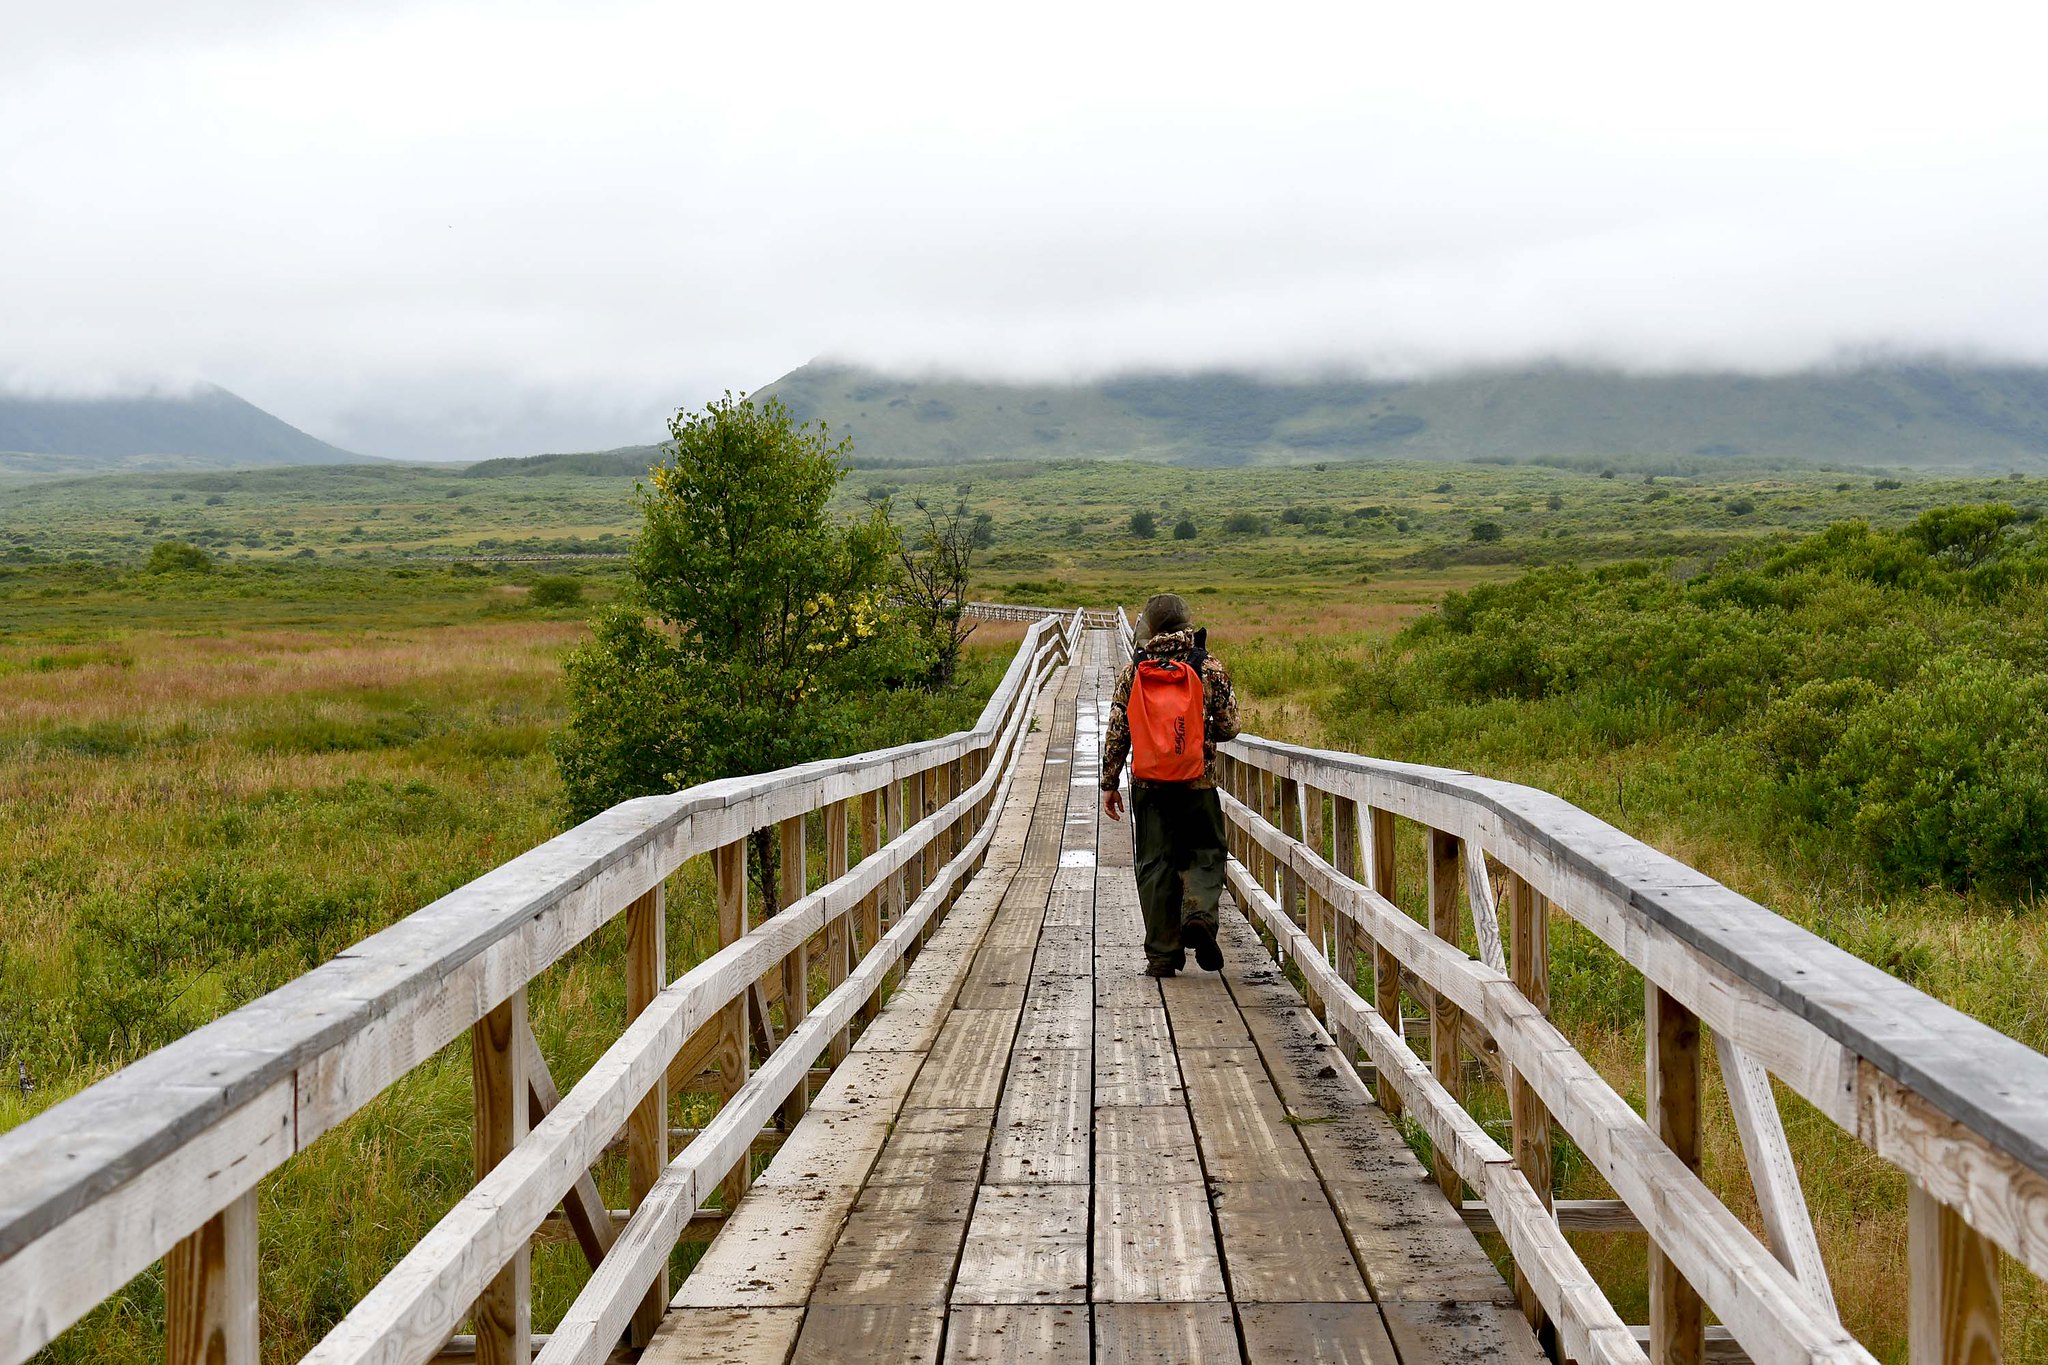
(1149, 1146)
(725, 1336)
(1149, 1333)
(1026, 1244)
(1013, 1334)
(869, 1334)
(1154, 1244)
(934, 1146)
(1134, 1058)
(1239, 1120)
(1282, 1244)
(1316, 1334)
(1041, 1130)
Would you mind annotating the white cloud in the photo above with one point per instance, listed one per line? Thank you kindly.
(464, 229)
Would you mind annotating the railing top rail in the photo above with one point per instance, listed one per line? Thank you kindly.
(1992, 1084)
(513, 920)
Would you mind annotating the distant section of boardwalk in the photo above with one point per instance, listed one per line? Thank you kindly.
(1038, 1153)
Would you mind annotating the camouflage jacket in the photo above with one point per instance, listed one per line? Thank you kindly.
(1219, 709)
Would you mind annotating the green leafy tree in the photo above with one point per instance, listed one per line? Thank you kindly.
(1144, 525)
(756, 627)
(1184, 529)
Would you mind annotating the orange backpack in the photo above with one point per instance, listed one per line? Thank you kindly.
(1165, 712)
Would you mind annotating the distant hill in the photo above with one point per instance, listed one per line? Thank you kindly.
(624, 462)
(1922, 414)
(208, 428)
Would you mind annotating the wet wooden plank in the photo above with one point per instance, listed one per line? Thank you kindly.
(724, 1336)
(966, 1065)
(1058, 1014)
(1282, 1244)
(1155, 1244)
(1134, 1058)
(1149, 1333)
(1469, 1333)
(934, 1146)
(1026, 1244)
(899, 1247)
(1041, 1131)
(1154, 1145)
(1017, 1334)
(869, 1334)
(1318, 1334)
(1239, 1119)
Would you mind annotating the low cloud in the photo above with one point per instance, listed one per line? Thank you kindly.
(453, 230)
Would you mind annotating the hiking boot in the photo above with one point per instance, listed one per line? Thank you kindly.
(1160, 969)
(1202, 939)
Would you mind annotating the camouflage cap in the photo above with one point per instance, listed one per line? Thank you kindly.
(1163, 612)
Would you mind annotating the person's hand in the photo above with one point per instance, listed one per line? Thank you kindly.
(1113, 804)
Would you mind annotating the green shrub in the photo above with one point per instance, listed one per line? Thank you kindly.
(1184, 529)
(1487, 532)
(1246, 524)
(177, 556)
(555, 590)
(1144, 525)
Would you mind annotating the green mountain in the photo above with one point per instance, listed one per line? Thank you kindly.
(208, 428)
(1923, 414)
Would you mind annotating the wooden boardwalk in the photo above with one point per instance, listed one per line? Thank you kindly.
(1020, 1147)
(1038, 1153)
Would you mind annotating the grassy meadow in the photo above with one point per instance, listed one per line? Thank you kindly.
(211, 781)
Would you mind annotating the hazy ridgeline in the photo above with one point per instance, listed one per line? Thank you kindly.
(212, 779)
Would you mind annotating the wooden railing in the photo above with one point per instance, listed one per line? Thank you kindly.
(1092, 618)
(1959, 1108)
(162, 1159)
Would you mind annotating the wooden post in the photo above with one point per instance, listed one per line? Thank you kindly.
(647, 1126)
(899, 883)
(504, 1312)
(1954, 1296)
(729, 863)
(210, 1290)
(796, 967)
(1678, 1334)
(839, 933)
(1345, 857)
(1529, 1121)
(1386, 968)
(956, 783)
(1317, 829)
(1290, 825)
(1446, 1020)
(869, 910)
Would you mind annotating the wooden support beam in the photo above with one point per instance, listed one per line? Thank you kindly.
(583, 1210)
(729, 865)
(1573, 1215)
(1722, 1347)
(1772, 1172)
(1345, 840)
(1446, 1020)
(838, 934)
(1528, 1120)
(647, 1125)
(1954, 1305)
(1386, 968)
(210, 1290)
(796, 968)
(1672, 1102)
(504, 1311)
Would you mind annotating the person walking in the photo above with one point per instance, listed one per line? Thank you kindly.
(1172, 706)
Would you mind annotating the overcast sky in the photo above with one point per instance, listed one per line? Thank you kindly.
(453, 230)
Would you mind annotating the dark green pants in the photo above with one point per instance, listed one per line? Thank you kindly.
(1177, 833)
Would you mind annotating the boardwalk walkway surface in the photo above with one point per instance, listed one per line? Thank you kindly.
(1038, 1153)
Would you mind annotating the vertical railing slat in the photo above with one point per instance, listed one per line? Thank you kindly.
(1446, 1020)
(1672, 1105)
(210, 1306)
(647, 1125)
(504, 1312)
